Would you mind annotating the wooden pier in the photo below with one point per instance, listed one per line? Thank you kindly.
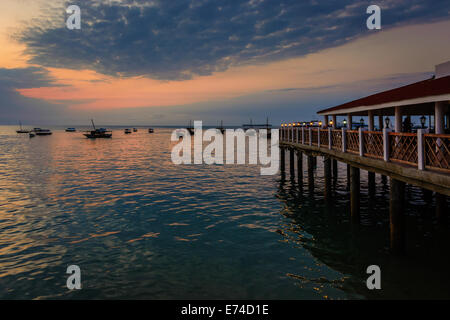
(420, 158)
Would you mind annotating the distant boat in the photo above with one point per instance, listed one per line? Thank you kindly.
(221, 128)
(71, 130)
(258, 127)
(127, 131)
(97, 133)
(31, 135)
(21, 130)
(190, 128)
(42, 132)
(135, 130)
(150, 130)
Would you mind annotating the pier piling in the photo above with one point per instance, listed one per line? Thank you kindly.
(311, 173)
(327, 172)
(335, 169)
(291, 162)
(300, 168)
(397, 216)
(282, 160)
(348, 177)
(354, 193)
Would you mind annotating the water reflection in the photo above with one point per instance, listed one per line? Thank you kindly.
(140, 227)
(350, 248)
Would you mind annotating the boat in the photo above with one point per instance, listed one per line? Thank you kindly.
(127, 131)
(97, 133)
(21, 130)
(42, 132)
(71, 130)
(258, 127)
(150, 130)
(221, 128)
(190, 128)
(31, 135)
(135, 130)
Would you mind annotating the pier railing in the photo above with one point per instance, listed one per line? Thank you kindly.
(422, 150)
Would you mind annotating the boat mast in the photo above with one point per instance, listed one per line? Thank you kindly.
(92, 120)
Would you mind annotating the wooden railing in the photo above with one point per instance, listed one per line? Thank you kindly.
(323, 137)
(437, 151)
(336, 139)
(422, 150)
(352, 137)
(373, 144)
(403, 147)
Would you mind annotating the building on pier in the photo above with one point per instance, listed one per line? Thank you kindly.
(419, 156)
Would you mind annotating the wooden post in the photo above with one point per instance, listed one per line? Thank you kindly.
(348, 177)
(441, 208)
(397, 216)
(327, 172)
(291, 162)
(282, 160)
(371, 180)
(354, 193)
(370, 115)
(311, 173)
(335, 169)
(300, 168)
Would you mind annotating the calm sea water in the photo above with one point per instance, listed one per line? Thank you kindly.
(140, 227)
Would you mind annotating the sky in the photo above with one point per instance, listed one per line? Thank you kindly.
(159, 62)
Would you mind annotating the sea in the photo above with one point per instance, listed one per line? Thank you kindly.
(140, 227)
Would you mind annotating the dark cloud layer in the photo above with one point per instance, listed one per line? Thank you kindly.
(176, 39)
(14, 106)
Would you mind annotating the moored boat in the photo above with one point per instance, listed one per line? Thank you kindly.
(97, 133)
(135, 130)
(42, 132)
(71, 130)
(127, 131)
(150, 130)
(21, 130)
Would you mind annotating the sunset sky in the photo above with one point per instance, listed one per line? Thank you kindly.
(167, 62)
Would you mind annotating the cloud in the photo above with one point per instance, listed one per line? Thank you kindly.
(179, 39)
(14, 106)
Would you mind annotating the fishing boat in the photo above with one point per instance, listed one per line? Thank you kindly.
(21, 130)
(42, 132)
(97, 133)
(127, 131)
(135, 130)
(190, 128)
(71, 130)
(150, 130)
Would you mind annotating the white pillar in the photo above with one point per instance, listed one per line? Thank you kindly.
(349, 121)
(334, 122)
(371, 126)
(439, 111)
(344, 140)
(420, 150)
(398, 120)
(386, 144)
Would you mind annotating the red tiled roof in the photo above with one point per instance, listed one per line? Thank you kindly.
(425, 88)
